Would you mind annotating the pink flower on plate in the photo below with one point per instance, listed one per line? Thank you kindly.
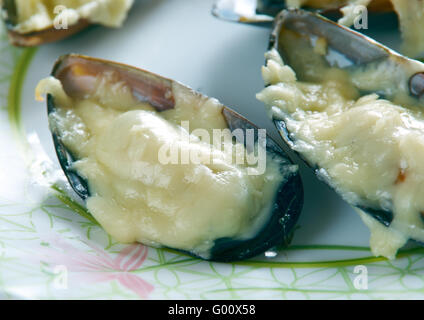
(100, 266)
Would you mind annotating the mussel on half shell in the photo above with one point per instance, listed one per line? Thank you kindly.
(77, 78)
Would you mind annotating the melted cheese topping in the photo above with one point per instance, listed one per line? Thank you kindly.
(350, 12)
(411, 17)
(410, 13)
(368, 149)
(137, 197)
(35, 15)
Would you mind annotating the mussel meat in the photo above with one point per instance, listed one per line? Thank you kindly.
(137, 148)
(353, 110)
(35, 22)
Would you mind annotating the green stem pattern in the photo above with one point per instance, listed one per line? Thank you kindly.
(15, 92)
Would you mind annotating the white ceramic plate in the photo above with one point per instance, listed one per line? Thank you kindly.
(48, 250)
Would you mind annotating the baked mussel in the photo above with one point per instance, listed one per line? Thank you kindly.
(35, 22)
(157, 163)
(379, 14)
(353, 110)
(264, 11)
